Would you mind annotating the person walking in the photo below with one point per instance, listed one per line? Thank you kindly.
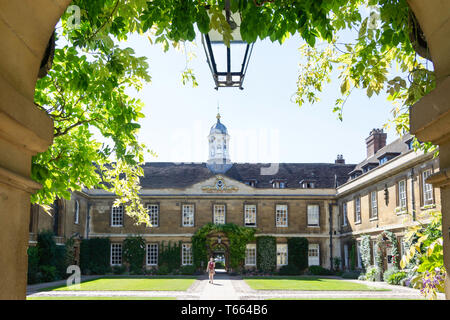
(211, 269)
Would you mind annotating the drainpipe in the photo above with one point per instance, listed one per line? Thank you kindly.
(412, 195)
(330, 219)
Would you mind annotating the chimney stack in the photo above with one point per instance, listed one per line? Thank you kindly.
(375, 141)
(340, 159)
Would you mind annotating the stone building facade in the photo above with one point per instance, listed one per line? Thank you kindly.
(330, 204)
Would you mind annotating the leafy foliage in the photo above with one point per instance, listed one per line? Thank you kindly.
(95, 256)
(238, 236)
(427, 250)
(169, 257)
(365, 251)
(266, 253)
(298, 253)
(134, 253)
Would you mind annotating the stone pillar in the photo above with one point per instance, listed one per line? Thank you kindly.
(25, 30)
(430, 117)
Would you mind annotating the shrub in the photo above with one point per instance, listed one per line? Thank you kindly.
(372, 274)
(362, 277)
(298, 252)
(266, 253)
(119, 269)
(388, 273)
(337, 263)
(33, 265)
(163, 270)
(187, 270)
(319, 271)
(47, 248)
(61, 262)
(289, 270)
(351, 275)
(134, 253)
(170, 256)
(397, 278)
(48, 273)
(95, 256)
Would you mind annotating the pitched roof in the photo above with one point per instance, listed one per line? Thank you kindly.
(396, 147)
(159, 175)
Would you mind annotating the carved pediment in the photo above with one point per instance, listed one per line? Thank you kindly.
(219, 186)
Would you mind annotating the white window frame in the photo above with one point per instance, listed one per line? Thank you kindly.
(358, 209)
(427, 190)
(186, 254)
(281, 215)
(313, 216)
(402, 197)
(344, 214)
(152, 254)
(188, 215)
(117, 216)
(116, 254)
(218, 214)
(153, 214)
(250, 255)
(282, 254)
(77, 212)
(313, 254)
(250, 215)
(373, 205)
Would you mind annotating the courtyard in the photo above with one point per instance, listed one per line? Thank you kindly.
(225, 287)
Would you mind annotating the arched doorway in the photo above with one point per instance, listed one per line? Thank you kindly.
(218, 248)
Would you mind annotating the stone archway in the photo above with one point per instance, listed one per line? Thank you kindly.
(219, 239)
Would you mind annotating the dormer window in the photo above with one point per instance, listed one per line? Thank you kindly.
(251, 183)
(383, 160)
(308, 185)
(278, 184)
(410, 144)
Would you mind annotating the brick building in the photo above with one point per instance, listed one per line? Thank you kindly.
(330, 204)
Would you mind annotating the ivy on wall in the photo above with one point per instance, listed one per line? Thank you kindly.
(169, 258)
(386, 239)
(266, 253)
(365, 251)
(238, 237)
(95, 256)
(134, 253)
(298, 252)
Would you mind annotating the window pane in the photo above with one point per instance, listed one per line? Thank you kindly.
(117, 216)
(250, 215)
(116, 254)
(282, 254)
(250, 255)
(152, 254)
(153, 213)
(188, 215)
(313, 254)
(313, 215)
(186, 254)
(219, 214)
(281, 216)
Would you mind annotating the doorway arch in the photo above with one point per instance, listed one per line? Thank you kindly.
(218, 243)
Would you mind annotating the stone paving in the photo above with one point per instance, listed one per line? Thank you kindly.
(227, 287)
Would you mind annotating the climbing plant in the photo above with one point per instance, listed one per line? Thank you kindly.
(266, 253)
(365, 251)
(238, 236)
(134, 253)
(386, 239)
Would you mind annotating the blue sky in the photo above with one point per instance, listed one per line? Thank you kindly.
(264, 123)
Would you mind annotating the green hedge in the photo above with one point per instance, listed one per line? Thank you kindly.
(266, 253)
(95, 256)
(169, 257)
(298, 253)
(33, 265)
(134, 253)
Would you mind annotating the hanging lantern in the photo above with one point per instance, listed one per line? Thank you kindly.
(228, 65)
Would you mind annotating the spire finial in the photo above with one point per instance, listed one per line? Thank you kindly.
(218, 112)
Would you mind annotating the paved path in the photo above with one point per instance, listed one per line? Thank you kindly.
(226, 287)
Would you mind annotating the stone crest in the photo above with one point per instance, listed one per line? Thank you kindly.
(220, 187)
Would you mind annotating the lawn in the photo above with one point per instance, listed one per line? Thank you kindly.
(99, 298)
(306, 283)
(130, 284)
